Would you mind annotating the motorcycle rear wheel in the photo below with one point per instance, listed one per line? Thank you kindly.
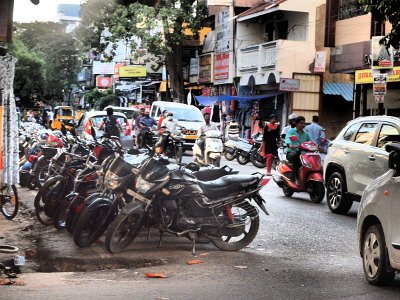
(248, 236)
(229, 156)
(287, 191)
(122, 231)
(41, 172)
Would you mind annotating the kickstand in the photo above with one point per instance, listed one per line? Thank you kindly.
(161, 236)
(148, 234)
(193, 236)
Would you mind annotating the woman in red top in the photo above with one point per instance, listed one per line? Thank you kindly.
(270, 140)
(161, 119)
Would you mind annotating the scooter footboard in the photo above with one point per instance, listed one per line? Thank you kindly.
(315, 176)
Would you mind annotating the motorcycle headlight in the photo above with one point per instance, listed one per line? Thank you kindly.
(143, 186)
(112, 180)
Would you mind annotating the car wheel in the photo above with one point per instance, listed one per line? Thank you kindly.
(338, 202)
(375, 257)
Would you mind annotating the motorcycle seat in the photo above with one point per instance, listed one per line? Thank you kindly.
(227, 185)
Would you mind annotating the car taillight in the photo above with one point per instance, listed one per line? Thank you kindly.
(88, 128)
(127, 128)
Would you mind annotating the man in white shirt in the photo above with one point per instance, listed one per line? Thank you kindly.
(292, 124)
(170, 123)
(207, 126)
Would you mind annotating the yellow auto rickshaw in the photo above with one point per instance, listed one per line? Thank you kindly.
(62, 114)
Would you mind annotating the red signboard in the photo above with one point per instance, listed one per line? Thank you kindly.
(221, 66)
(116, 71)
(103, 81)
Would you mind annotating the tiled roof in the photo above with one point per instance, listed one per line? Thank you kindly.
(261, 7)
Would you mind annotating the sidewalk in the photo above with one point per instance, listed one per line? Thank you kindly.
(55, 251)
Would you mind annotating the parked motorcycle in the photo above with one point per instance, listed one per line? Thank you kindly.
(213, 148)
(220, 210)
(310, 178)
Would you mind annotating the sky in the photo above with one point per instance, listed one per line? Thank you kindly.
(25, 11)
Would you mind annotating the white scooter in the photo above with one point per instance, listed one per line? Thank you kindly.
(213, 148)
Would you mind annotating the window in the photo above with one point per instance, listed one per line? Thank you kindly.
(366, 134)
(282, 30)
(153, 111)
(349, 133)
(269, 32)
(388, 134)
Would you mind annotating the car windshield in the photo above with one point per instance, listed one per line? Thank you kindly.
(184, 114)
(65, 112)
(96, 120)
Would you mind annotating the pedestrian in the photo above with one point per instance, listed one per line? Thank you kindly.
(316, 131)
(137, 124)
(111, 125)
(270, 141)
(292, 124)
(45, 119)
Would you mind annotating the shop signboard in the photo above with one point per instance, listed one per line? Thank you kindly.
(379, 86)
(103, 68)
(206, 68)
(289, 85)
(320, 62)
(221, 68)
(116, 71)
(103, 81)
(382, 57)
(366, 77)
(132, 71)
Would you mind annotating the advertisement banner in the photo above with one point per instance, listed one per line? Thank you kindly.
(116, 71)
(379, 86)
(366, 77)
(382, 57)
(224, 31)
(103, 68)
(320, 62)
(289, 85)
(206, 68)
(103, 81)
(221, 67)
(132, 71)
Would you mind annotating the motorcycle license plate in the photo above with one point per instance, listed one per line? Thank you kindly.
(190, 137)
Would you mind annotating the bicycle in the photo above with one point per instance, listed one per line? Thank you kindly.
(9, 201)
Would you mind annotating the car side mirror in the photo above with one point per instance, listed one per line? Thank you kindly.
(293, 138)
(394, 160)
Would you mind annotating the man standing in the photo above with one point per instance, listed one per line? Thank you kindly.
(111, 125)
(207, 126)
(316, 131)
(137, 124)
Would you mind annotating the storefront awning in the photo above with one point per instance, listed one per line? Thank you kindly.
(211, 100)
(339, 89)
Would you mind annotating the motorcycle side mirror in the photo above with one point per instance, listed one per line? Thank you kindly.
(63, 129)
(193, 167)
(293, 138)
(93, 132)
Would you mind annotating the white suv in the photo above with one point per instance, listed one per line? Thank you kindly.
(356, 157)
(378, 224)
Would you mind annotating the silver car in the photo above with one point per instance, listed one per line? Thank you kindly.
(94, 118)
(356, 157)
(378, 224)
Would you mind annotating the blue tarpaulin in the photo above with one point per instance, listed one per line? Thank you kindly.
(211, 100)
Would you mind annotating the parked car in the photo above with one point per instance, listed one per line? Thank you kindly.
(94, 118)
(188, 116)
(130, 112)
(378, 223)
(356, 157)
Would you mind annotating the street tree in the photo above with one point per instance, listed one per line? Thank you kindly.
(159, 26)
(386, 10)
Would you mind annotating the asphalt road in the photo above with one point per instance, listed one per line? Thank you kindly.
(302, 251)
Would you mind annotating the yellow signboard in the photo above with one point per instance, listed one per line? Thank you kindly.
(365, 76)
(132, 71)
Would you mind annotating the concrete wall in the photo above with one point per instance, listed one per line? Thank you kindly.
(354, 30)
(298, 24)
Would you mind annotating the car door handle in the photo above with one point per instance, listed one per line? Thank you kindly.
(371, 157)
(346, 151)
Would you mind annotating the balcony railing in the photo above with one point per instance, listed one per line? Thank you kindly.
(259, 57)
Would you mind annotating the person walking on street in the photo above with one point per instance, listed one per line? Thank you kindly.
(316, 131)
(270, 140)
(111, 125)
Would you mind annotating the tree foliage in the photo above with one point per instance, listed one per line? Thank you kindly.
(386, 10)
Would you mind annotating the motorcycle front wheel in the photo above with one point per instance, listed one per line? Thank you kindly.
(178, 154)
(122, 231)
(242, 159)
(257, 160)
(246, 214)
(317, 193)
(229, 156)
(216, 162)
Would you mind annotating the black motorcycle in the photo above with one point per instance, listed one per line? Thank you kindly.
(173, 143)
(220, 210)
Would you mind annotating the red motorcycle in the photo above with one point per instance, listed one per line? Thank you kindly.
(310, 177)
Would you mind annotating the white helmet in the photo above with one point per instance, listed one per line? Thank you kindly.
(292, 116)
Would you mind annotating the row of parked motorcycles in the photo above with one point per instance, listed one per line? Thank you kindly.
(95, 187)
